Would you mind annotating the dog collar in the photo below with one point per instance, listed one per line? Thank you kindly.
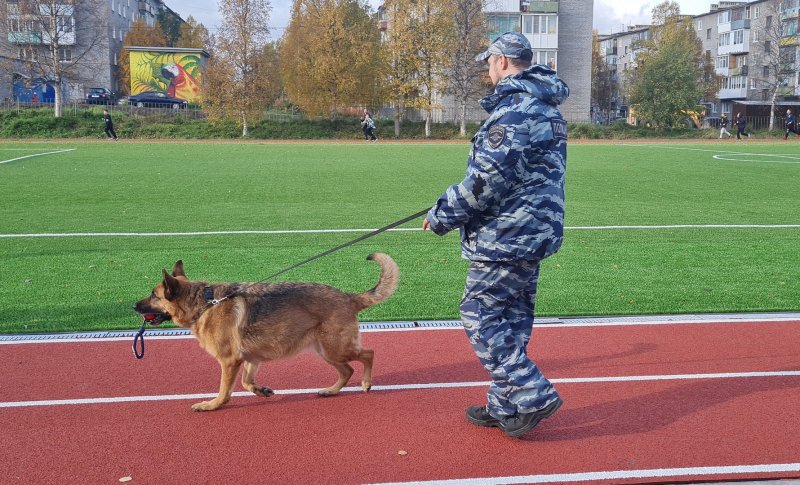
(208, 292)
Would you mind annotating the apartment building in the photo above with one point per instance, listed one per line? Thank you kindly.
(89, 35)
(755, 50)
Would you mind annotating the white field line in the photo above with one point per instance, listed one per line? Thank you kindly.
(619, 475)
(326, 231)
(399, 387)
(719, 154)
(38, 155)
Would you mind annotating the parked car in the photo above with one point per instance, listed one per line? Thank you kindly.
(156, 99)
(99, 96)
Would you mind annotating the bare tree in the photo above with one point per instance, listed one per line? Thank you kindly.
(57, 38)
(468, 40)
(772, 66)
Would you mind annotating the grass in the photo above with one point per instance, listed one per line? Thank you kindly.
(85, 283)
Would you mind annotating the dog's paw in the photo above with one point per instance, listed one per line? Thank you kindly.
(263, 391)
(205, 406)
(327, 393)
(366, 386)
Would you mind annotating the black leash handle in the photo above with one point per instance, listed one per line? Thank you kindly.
(138, 342)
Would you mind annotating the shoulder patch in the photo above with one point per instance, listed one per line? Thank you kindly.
(559, 129)
(496, 135)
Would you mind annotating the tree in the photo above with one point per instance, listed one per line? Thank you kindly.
(469, 38)
(56, 38)
(603, 82)
(773, 57)
(333, 46)
(670, 78)
(401, 46)
(436, 33)
(170, 25)
(140, 35)
(239, 81)
(193, 35)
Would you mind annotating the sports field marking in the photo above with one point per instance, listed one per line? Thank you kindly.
(619, 475)
(38, 155)
(398, 387)
(332, 231)
(722, 154)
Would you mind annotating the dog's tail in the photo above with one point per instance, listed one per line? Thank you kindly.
(387, 284)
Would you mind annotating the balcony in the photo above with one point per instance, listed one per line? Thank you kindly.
(611, 51)
(740, 24)
(30, 38)
(737, 93)
(540, 6)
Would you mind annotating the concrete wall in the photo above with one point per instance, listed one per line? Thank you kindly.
(575, 19)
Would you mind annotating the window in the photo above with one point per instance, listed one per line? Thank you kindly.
(753, 84)
(757, 12)
(722, 62)
(738, 37)
(724, 17)
(765, 71)
(708, 34)
(547, 58)
(768, 22)
(64, 54)
(540, 24)
(724, 39)
(767, 46)
(699, 25)
(499, 23)
(755, 35)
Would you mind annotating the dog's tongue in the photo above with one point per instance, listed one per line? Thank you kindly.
(150, 317)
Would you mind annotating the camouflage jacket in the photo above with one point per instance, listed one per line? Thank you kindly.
(510, 205)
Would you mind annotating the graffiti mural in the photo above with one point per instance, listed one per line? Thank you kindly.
(178, 73)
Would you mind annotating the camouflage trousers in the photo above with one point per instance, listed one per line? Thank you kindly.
(497, 313)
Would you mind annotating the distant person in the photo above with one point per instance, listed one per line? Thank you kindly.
(741, 123)
(368, 127)
(791, 124)
(110, 133)
(723, 126)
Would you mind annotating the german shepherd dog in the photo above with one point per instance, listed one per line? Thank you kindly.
(262, 322)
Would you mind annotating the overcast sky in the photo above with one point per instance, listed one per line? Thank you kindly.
(610, 16)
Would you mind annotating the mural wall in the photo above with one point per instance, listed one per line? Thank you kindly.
(177, 73)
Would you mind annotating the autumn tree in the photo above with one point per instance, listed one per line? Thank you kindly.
(334, 48)
(57, 38)
(670, 79)
(170, 25)
(419, 52)
(140, 35)
(240, 81)
(468, 39)
(193, 35)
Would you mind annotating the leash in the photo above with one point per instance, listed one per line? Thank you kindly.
(329, 251)
(138, 342)
(209, 292)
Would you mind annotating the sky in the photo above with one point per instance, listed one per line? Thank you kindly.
(610, 16)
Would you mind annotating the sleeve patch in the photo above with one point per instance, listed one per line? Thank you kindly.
(496, 136)
(559, 129)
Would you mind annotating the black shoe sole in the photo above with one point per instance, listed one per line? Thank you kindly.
(540, 415)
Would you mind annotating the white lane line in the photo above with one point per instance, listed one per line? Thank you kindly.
(38, 155)
(333, 231)
(618, 475)
(397, 387)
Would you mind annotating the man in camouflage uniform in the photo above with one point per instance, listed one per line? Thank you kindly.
(510, 210)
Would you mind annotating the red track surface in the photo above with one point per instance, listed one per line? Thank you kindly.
(357, 438)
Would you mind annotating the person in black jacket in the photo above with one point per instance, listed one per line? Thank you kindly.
(741, 123)
(723, 126)
(110, 133)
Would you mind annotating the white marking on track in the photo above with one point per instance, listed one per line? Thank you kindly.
(38, 155)
(397, 387)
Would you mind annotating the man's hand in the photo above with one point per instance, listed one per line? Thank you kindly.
(426, 226)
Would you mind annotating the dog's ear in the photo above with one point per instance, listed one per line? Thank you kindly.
(177, 270)
(171, 285)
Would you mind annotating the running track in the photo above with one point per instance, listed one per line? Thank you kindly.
(643, 403)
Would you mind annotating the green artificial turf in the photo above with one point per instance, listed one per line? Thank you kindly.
(90, 281)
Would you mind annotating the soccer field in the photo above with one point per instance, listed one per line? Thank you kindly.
(85, 228)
